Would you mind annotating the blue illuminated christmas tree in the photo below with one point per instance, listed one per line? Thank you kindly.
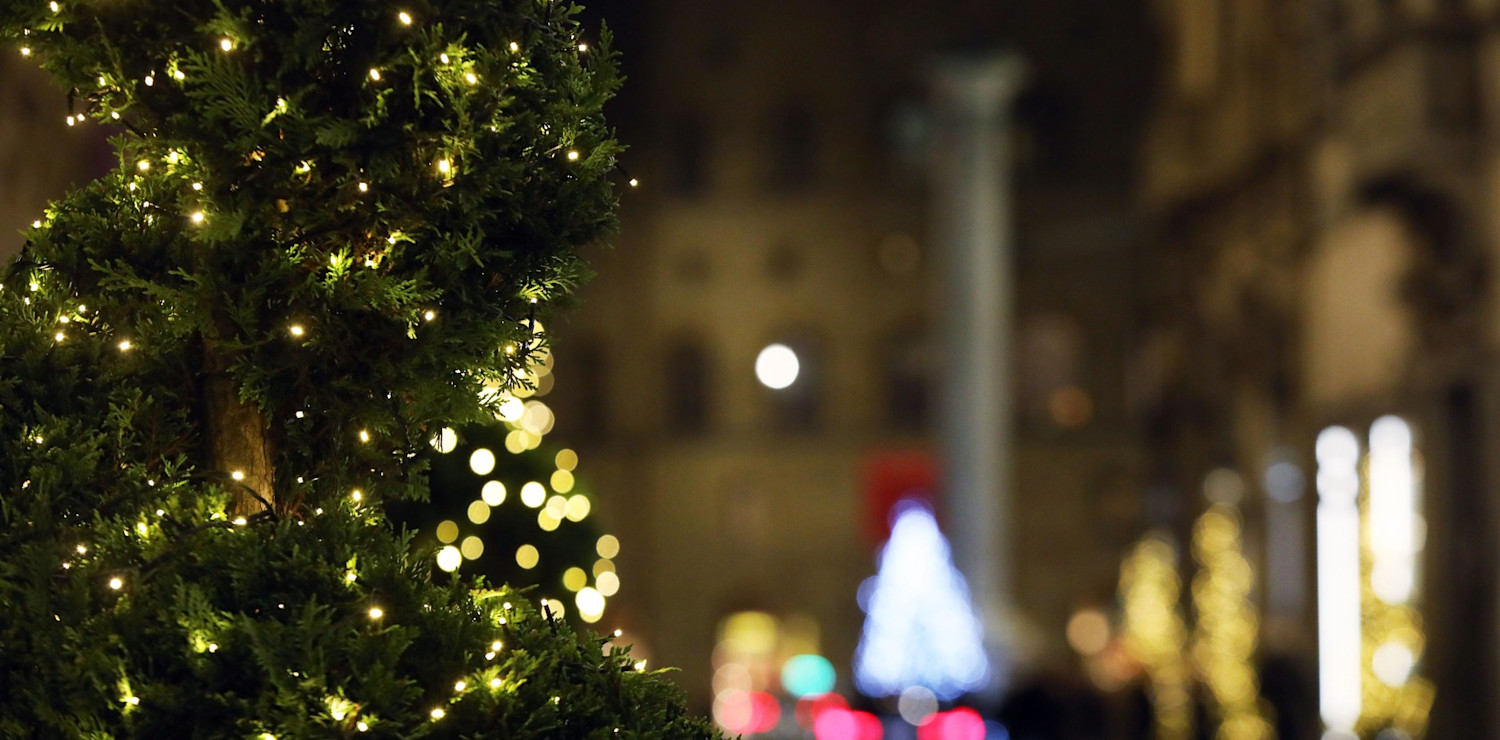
(920, 628)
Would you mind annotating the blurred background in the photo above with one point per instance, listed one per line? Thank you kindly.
(1177, 315)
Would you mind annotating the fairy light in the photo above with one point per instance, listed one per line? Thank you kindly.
(296, 330)
(573, 156)
(514, 47)
(471, 78)
(115, 583)
(459, 686)
(375, 74)
(150, 80)
(438, 713)
(25, 51)
(364, 187)
(494, 683)
(54, 6)
(444, 166)
(361, 726)
(58, 336)
(70, 120)
(143, 165)
(364, 436)
(125, 345)
(376, 612)
(635, 183)
(583, 47)
(178, 75)
(405, 18)
(240, 521)
(429, 315)
(82, 549)
(357, 495)
(197, 217)
(443, 58)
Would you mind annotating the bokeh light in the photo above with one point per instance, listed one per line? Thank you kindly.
(777, 366)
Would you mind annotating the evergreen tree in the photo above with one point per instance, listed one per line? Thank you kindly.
(331, 227)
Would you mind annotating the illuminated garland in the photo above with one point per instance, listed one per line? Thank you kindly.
(1225, 634)
(1150, 592)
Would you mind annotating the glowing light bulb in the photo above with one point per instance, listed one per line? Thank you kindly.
(494, 683)
(53, 5)
(405, 18)
(375, 75)
(350, 576)
(364, 187)
(635, 183)
(150, 80)
(573, 156)
(515, 46)
(429, 314)
(496, 645)
(239, 521)
(237, 475)
(364, 436)
(70, 120)
(471, 78)
(116, 583)
(460, 686)
(296, 330)
(376, 612)
(58, 336)
(178, 75)
(357, 495)
(197, 217)
(443, 58)
(583, 47)
(438, 713)
(361, 726)
(777, 366)
(444, 166)
(25, 51)
(449, 558)
(143, 165)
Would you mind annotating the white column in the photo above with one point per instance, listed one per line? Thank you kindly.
(972, 225)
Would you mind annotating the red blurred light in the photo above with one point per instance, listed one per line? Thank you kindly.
(843, 724)
(809, 707)
(765, 712)
(962, 723)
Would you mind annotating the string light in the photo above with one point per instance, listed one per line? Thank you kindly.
(583, 47)
(197, 217)
(25, 51)
(460, 686)
(237, 475)
(438, 713)
(297, 331)
(635, 183)
(405, 18)
(429, 315)
(361, 726)
(356, 495)
(515, 46)
(143, 165)
(573, 156)
(443, 58)
(115, 583)
(376, 612)
(150, 80)
(53, 5)
(375, 75)
(471, 78)
(364, 187)
(364, 436)
(444, 166)
(494, 683)
(177, 75)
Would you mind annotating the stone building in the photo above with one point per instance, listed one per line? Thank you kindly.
(781, 153)
(1320, 180)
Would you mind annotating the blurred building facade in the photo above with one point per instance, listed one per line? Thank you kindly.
(781, 154)
(1320, 182)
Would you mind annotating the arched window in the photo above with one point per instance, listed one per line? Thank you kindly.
(687, 388)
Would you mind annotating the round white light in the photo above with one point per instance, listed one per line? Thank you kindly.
(777, 366)
(482, 461)
(449, 558)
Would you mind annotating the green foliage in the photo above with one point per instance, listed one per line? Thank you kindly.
(357, 221)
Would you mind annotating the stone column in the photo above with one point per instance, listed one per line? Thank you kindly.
(974, 246)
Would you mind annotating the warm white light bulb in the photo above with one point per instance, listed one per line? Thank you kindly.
(237, 475)
(429, 315)
(143, 165)
(438, 713)
(460, 686)
(116, 583)
(364, 187)
(583, 47)
(573, 156)
(405, 18)
(296, 330)
(357, 495)
(444, 166)
(364, 436)
(471, 78)
(25, 51)
(375, 75)
(197, 217)
(376, 612)
(494, 683)
(515, 46)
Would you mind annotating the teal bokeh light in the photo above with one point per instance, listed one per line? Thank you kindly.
(807, 675)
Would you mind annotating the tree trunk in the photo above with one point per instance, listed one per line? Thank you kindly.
(239, 446)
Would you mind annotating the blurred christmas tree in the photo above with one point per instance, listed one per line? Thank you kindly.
(506, 505)
(332, 226)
